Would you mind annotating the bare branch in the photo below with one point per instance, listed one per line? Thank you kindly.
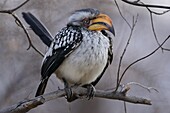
(136, 3)
(26, 105)
(140, 59)
(153, 28)
(142, 86)
(147, 6)
(139, 3)
(158, 13)
(122, 14)
(124, 51)
(10, 11)
(166, 49)
(152, 23)
(20, 24)
(27, 34)
(125, 107)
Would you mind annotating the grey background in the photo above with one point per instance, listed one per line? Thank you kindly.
(20, 69)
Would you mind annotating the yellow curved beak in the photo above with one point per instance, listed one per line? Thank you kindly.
(102, 22)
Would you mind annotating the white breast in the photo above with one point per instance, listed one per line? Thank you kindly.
(87, 62)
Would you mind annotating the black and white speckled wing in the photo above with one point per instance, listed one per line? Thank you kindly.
(65, 42)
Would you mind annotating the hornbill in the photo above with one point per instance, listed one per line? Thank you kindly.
(80, 52)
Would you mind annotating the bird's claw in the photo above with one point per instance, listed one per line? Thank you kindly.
(90, 91)
(68, 93)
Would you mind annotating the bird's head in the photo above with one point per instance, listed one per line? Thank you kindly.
(92, 19)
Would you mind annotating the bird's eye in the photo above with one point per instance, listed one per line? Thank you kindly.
(86, 22)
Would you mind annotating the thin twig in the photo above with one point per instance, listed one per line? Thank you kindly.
(26, 105)
(141, 4)
(142, 86)
(125, 107)
(136, 3)
(140, 59)
(153, 28)
(152, 23)
(124, 51)
(166, 49)
(122, 15)
(20, 24)
(159, 13)
(27, 34)
(10, 11)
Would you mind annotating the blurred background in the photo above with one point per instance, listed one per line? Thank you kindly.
(20, 68)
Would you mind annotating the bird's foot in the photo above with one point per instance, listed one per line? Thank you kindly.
(67, 90)
(90, 91)
(68, 93)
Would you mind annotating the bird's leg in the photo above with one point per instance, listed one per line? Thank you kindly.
(90, 91)
(67, 90)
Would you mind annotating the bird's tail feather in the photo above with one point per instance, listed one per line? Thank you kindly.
(41, 88)
(38, 28)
